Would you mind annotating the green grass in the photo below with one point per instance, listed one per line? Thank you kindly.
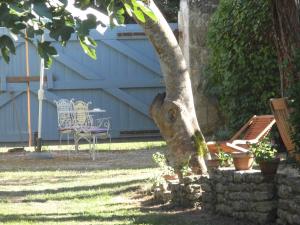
(77, 198)
(89, 197)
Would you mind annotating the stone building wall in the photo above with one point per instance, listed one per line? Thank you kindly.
(193, 22)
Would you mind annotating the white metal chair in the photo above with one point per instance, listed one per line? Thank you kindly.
(82, 122)
(64, 118)
(87, 128)
(102, 130)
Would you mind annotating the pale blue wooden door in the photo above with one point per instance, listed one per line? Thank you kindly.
(123, 80)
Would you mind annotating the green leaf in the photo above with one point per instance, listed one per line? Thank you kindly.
(46, 51)
(92, 41)
(60, 31)
(147, 11)
(82, 4)
(85, 44)
(119, 16)
(128, 9)
(5, 41)
(5, 54)
(42, 10)
(139, 15)
(86, 25)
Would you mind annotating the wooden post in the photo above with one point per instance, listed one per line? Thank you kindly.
(28, 92)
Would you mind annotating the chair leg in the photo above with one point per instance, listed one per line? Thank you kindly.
(60, 139)
(76, 142)
(109, 146)
(68, 150)
(94, 147)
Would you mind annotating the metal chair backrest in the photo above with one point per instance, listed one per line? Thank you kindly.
(281, 113)
(81, 116)
(64, 113)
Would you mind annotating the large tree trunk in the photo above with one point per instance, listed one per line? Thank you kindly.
(287, 40)
(174, 111)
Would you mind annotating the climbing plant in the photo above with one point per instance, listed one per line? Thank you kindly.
(242, 72)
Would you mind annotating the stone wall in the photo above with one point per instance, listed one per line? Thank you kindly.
(245, 195)
(288, 184)
(189, 193)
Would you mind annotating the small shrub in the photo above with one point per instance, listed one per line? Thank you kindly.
(225, 159)
(263, 151)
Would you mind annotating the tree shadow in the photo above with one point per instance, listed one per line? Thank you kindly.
(109, 186)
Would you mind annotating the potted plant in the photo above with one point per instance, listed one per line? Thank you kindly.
(225, 159)
(243, 160)
(266, 156)
(220, 159)
(166, 171)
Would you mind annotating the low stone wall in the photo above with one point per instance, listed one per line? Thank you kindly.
(189, 192)
(288, 184)
(245, 195)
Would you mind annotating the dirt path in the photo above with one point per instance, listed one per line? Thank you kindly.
(64, 160)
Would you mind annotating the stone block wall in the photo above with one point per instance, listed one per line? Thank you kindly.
(288, 184)
(188, 193)
(246, 195)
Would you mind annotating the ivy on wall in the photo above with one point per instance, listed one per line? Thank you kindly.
(242, 72)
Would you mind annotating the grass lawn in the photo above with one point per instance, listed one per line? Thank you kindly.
(71, 197)
(80, 197)
(64, 191)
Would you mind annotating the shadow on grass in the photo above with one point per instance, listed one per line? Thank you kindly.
(109, 186)
(150, 218)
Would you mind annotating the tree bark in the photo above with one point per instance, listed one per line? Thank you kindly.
(173, 111)
(286, 27)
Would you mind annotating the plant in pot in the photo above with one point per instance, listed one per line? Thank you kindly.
(225, 159)
(213, 163)
(243, 160)
(166, 171)
(266, 156)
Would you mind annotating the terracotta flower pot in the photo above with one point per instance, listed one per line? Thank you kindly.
(242, 161)
(212, 163)
(269, 167)
(297, 157)
(170, 177)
